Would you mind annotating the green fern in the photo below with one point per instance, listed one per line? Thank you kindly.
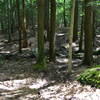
(91, 76)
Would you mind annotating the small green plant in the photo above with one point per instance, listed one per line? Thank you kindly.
(91, 76)
(1, 60)
(41, 66)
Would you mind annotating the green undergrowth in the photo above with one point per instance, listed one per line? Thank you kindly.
(97, 52)
(1, 60)
(41, 66)
(91, 77)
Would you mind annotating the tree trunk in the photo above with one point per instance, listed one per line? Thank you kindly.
(81, 35)
(41, 57)
(94, 33)
(75, 30)
(64, 14)
(32, 16)
(46, 21)
(24, 33)
(71, 37)
(19, 24)
(81, 44)
(88, 58)
(52, 30)
(9, 21)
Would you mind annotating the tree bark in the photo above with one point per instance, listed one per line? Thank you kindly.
(24, 33)
(75, 30)
(41, 57)
(71, 37)
(19, 25)
(52, 30)
(64, 13)
(81, 44)
(46, 21)
(88, 58)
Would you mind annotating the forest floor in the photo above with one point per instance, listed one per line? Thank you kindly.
(18, 80)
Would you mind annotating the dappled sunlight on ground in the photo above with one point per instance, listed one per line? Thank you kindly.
(98, 48)
(17, 84)
(1, 43)
(20, 89)
(6, 52)
(23, 90)
(62, 60)
(18, 80)
(67, 91)
(12, 84)
(87, 95)
(61, 34)
(98, 36)
(38, 84)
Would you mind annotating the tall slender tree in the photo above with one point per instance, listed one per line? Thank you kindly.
(75, 30)
(81, 44)
(46, 21)
(71, 37)
(41, 56)
(9, 20)
(19, 24)
(2, 6)
(88, 58)
(32, 15)
(94, 26)
(64, 13)
(24, 33)
(52, 30)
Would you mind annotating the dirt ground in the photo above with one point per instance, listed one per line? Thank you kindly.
(18, 80)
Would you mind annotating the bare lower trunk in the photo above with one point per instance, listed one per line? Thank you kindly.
(41, 32)
(88, 58)
(19, 25)
(71, 38)
(52, 30)
(24, 33)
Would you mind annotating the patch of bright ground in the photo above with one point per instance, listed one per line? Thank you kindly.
(25, 89)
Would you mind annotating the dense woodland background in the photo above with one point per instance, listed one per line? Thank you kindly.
(49, 49)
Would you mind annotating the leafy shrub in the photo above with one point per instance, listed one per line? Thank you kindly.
(91, 76)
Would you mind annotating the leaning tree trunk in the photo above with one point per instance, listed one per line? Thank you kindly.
(52, 30)
(71, 37)
(88, 58)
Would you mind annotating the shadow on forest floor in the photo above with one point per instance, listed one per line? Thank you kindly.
(18, 80)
